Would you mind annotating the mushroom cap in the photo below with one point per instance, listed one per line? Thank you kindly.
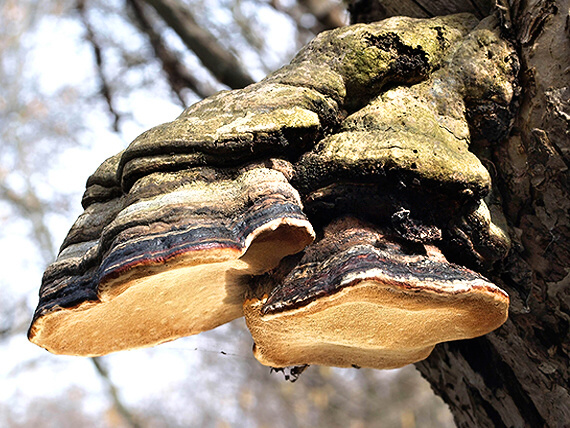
(171, 262)
(358, 297)
(231, 128)
(285, 113)
(408, 150)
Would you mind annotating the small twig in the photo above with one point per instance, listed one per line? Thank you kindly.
(121, 408)
(221, 63)
(178, 76)
(105, 88)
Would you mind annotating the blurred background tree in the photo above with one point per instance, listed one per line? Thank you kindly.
(78, 81)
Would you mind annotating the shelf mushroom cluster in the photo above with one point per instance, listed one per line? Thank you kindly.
(322, 203)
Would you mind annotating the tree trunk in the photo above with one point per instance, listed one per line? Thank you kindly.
(518, 375)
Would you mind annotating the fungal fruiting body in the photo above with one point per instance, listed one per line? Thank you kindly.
(360, 298)
(172, 263)
(330, 203)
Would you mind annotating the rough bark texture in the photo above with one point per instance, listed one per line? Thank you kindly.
(375, 10)
(518, 375)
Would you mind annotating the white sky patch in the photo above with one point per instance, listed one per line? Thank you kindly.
(60, 57)
(41, 374)
(142, 372)
(147, 111)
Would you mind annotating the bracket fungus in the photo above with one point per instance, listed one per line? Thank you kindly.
(330, 203)
(359, 297)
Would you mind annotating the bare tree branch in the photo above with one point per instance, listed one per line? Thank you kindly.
(105, 89)
(178, 76)
(330, 15)
(221, 63)
(113, 392)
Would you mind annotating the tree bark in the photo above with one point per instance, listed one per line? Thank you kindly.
(518, 375)
(376, 10)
